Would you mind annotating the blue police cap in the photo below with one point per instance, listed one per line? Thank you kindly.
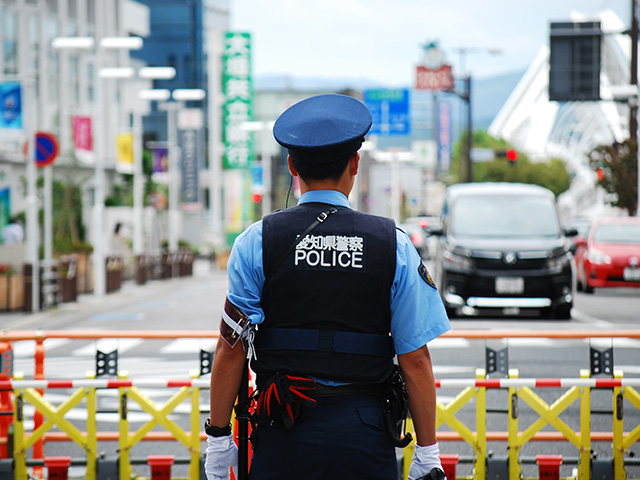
(323, 128)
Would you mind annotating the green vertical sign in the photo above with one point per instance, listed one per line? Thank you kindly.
(5, 208)
(237, 86)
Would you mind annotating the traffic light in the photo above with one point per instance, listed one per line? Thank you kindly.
(510, 154)
(256, 197)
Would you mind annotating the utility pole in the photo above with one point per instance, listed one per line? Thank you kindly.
(633, 110)
(469, 131)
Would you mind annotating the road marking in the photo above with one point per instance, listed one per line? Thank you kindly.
(107, 345)
(530, 342)
(449, 343)
(446, 370)
(584, 318)
(27, 348)
(613, 342)
(189, 345)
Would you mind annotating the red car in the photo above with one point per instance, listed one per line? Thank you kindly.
(610, 255)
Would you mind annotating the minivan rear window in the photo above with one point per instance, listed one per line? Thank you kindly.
(504, 216)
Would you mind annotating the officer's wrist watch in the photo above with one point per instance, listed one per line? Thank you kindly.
(216, 431)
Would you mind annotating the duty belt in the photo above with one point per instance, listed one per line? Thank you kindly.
(350, 389)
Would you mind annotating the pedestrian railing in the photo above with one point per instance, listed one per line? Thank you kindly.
(17, 391)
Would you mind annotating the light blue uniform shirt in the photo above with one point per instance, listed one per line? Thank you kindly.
(417, 313)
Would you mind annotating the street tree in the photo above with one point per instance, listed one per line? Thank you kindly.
(617, 169)
(551, 174)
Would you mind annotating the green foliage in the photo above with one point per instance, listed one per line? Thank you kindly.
(552, 174)
(619, 164)
(68, 229)
(122, 193)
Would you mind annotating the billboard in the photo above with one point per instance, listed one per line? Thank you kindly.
(81, 131)
(10, 106)
(435, 79)
(389, 109)
(444, 136)
(237, 86)
(124, 149)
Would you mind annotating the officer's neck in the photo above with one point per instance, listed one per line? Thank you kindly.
(343, 185)
(325, 185)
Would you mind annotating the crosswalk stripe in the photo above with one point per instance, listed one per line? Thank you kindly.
(107, 345)
(449, 343)
(531, 342)
(189, 345)
(28, 348)
(613, 342)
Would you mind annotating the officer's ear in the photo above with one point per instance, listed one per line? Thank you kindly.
(354, 163)
(292, 170)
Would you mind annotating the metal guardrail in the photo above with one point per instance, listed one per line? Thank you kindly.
(131, 390)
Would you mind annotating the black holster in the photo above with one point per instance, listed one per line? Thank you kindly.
(394, 397)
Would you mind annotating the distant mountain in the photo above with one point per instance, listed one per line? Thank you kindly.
(488, 93)
(289, 82)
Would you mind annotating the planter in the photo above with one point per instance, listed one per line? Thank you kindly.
(11, 292)
(16, 292)
(222, 259)
(84, 273)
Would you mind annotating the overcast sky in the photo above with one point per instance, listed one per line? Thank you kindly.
(381, 39)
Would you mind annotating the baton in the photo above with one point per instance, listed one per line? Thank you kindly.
(242, 416)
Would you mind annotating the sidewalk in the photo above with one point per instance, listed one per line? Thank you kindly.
(88, 303)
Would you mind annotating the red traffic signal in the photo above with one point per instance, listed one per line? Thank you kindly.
(256, 197)
(511, 155)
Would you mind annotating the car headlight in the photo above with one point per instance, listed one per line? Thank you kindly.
(560, 261)
(455, 260)
(598, 257)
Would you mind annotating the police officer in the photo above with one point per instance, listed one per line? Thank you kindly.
(335, 294)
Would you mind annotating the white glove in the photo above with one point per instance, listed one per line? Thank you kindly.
(222, 453)
(424, 460)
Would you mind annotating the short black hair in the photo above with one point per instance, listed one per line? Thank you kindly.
(321, 171)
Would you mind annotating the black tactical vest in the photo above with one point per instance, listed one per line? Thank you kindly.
(327, 304)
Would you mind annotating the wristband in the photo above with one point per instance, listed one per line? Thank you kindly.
(216, 431)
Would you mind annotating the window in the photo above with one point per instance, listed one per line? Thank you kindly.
(91, 12)
(10, 41)
(91, 80)
(620, 233)
(52, 6)
(504, 217)
(74, 76)
(72, 9)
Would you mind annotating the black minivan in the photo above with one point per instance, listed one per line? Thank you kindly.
(502, 251)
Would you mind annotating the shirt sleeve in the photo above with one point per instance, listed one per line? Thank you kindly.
(246, 273)
(417, 312)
